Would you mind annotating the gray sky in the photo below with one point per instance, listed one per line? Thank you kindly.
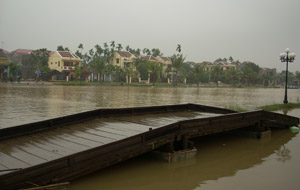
(248, 30)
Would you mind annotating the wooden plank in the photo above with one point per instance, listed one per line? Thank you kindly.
(45, 144)
(92, 137)
(122, 125)
(281, 119)
(15, 180)
(20, 154)
(28, 147)
(69, 141)
(108, 148)
(12, 162)
(113, 129)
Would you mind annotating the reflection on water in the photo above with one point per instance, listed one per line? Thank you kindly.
(218, 156)
(222, 162)
(283, 154)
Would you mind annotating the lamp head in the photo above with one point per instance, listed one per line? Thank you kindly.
(282, 55)
(287, 50)
(292, 55)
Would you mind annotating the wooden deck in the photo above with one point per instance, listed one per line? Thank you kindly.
(69, 147)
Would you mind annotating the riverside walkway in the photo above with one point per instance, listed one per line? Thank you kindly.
(68, 147)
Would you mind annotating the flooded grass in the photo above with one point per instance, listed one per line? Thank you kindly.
(275, 107)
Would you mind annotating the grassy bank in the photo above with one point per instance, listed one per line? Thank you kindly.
(275, 107)
(272, 107)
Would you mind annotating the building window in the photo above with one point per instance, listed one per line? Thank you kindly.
(58, 63)
(68, 63)
(51, 63)
(118, 60)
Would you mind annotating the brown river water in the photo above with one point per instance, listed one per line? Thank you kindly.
(222, 162)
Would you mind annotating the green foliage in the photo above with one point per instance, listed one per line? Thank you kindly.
(146, 51)
(155, 69)
(178, 49)
(39, 58)
(119, 47)
(80, 46)
(156, 52)
(130, 72)
(217, 73)
(61, 48)
(275, 107)
(46, 70)
(198, 73)
(13, 69)
(142, 68)
(177, 63)
(98, 65)
(77, 71)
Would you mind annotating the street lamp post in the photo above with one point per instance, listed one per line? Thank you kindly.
(287, 57)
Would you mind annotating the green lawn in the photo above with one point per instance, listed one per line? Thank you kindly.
(275, 107)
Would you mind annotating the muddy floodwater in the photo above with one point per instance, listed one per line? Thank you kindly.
(222, 162)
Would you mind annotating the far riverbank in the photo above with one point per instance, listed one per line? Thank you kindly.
(180, 85)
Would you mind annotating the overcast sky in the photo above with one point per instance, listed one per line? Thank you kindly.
(247, 30)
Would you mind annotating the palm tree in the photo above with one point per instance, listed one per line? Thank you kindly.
(155, 69)
(197, 72)
(109, 69)
(99, 50)
(91, 52)
(119, 72)
(105, 45)
(156, 52)
(119, 47)
(231, 75)
(177, 63)
(98, 65)
(112, 45)
(146, 51)
(217, 71)
(178, 49)
(80, 47)
(129, 73)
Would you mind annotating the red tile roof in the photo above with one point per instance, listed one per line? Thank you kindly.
(165, 58)
(148, 57)
(6, 52)
(67, 54)
(2, 53)
(21, 51)
(124, 53)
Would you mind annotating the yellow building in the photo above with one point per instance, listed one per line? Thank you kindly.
(126, 59)
(208, 66)
(123, 59)
(63, 61)
(167, 64)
